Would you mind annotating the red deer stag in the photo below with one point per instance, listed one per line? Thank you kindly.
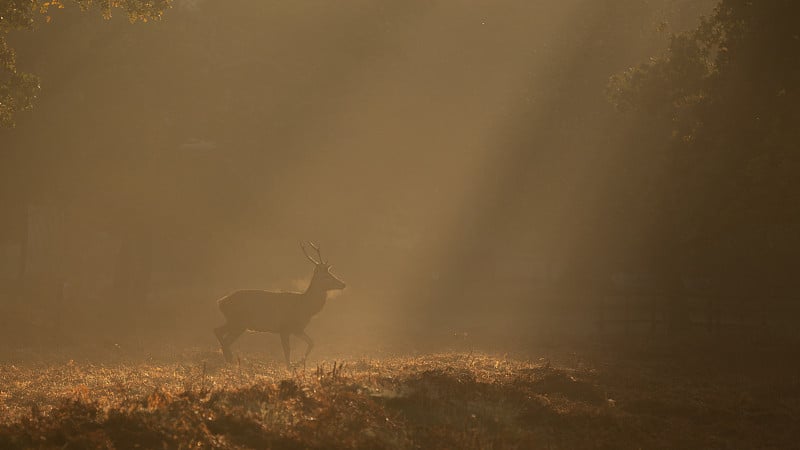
(285, 313)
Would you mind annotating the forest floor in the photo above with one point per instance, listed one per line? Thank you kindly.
(621, 393)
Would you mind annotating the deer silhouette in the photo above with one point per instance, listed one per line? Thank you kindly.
(285, 313)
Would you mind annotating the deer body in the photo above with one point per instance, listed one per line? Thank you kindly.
(273, 312)
(285, 313)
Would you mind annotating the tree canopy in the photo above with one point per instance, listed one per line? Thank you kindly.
(18, 89)
(726, 98)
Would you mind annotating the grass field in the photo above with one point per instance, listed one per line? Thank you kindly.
(684, 393)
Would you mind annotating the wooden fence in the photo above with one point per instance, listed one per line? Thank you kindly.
(657, 313)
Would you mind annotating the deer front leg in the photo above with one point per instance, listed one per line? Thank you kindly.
(286, 349)
(309, 344)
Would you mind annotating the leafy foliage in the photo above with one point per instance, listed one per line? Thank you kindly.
(19, 90)
(728, 94)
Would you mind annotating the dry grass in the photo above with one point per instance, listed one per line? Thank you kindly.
(446, 400)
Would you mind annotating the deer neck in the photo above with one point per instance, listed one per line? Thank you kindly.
(315, 296)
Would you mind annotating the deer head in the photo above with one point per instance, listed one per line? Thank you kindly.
(323, 279)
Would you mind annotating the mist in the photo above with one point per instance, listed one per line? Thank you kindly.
(429, 147)
(485, 176)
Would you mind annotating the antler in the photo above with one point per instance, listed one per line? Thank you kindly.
(316, 247)
(303, 247)
(310, 258)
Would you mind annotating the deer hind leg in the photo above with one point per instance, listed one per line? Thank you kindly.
(230, 338)
(286, 349)
(220, 333)
(309, 344)
(227, 335)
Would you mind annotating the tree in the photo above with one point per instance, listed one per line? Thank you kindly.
(19, 90)
(726, 96)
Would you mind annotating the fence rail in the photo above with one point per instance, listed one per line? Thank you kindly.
(712, 313)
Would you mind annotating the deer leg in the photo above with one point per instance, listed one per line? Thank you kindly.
(229, 339)
(286, 349)
(220, 332)
(309, 344)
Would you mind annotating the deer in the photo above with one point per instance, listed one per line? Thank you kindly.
(284, 313)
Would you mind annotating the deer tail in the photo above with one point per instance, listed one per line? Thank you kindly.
(224, 304)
